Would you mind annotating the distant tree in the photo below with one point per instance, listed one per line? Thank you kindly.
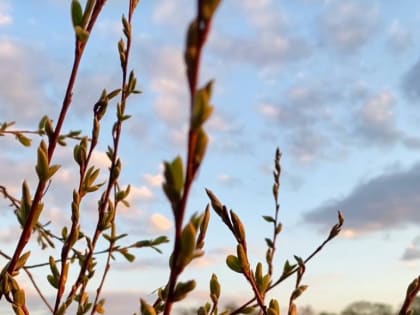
(416, 306)
(367, 308)
(306, 310)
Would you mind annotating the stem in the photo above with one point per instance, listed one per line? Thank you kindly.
(282, 278)
(116, 134)
(192, 168)
(410, 296)
(27, 230)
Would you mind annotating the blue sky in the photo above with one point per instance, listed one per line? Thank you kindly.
(334, 84)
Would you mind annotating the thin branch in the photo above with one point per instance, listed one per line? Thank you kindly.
(294, 270)
(192, 168)
(412, 291)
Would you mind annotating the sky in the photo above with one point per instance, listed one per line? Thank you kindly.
(333, 84)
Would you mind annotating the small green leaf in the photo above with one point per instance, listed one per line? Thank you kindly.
(42, 168)
(88, 11)
(53, 281)
(127, 255)
(214, 287)
(177, 173)
(182, 289)
(269, 218)
(274, 304)
(76, 13)
(22, 261)
(237, 226)
(242, 257)
(233, 263)
(187, 244)
(269, 243)
(298, 292)
(25, 141)
(53, 169)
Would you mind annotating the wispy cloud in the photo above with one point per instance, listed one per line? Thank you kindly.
(399, 37)
(274, 41)
(159, 222)
(5, 16)
(348, 25)
(24, 80)
(412, 252)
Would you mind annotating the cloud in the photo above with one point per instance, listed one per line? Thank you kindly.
(305, 115)
(154, 180)
(313, 117)
(272, 42)
(5, 17)
(308, 144)
(388, 201)
(169, 13)
(413, 251)
(159, 222)
(24, 76)
(228, 180)
(399, 38)
(376, 119)
(410, 80)
(137, 194)
(348, 25)
(265, 50)
(8, 234)
(376, 123)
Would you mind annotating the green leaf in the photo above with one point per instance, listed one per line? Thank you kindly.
(269, 243)
(182, 289)
(177, 173)
(298, 292)
(202, 109)
(214, 287)
(242, 257)
(53, 281)
(53, 169)
(25, 141)
(287, 268)
(233, 263)
(237, 226)
(269, 218)
(88, 11)
(187, 244)
(22, 260)
(42, 168)
(127, 255)
(76, 13)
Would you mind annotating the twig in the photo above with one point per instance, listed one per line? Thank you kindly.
(412, 291)
(334, 232)
(193, 69)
